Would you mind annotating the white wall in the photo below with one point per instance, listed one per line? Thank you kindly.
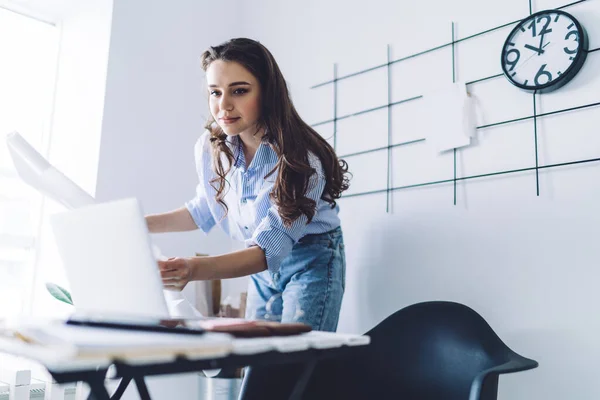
(526, 263)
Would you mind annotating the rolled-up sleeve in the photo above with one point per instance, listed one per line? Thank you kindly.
(276, 239)
(199, 210)
(198, 207)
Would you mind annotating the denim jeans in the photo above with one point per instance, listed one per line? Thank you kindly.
(308, 287)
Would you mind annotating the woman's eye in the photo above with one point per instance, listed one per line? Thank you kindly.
(214, 93)
(240, 91)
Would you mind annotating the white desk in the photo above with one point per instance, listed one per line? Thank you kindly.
(185, 354)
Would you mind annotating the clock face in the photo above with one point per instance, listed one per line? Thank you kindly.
(544, 51)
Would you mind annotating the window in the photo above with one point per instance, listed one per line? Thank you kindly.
(28, 50)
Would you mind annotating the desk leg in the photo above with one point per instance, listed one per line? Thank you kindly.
(97, 389)
(142, 388)
(121, 388)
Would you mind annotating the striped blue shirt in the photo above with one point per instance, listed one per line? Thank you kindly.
(252, 217)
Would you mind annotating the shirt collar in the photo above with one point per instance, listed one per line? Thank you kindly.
(264, 154)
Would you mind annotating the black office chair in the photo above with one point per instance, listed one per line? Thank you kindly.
(427, 351)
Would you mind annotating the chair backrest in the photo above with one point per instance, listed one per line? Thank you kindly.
(431, 350)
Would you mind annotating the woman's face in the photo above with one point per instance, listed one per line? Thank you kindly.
(234, 97)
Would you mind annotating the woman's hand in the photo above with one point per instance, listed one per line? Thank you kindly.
(176, 272)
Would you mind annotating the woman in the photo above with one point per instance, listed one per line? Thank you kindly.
(268, 179)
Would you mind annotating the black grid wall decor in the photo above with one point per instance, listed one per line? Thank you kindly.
(534, 116)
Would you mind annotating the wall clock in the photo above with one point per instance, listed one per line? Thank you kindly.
(544, 51)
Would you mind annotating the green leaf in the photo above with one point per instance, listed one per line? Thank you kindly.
(59, 293)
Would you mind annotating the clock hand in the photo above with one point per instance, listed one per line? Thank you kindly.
(525, 62)
(530, 57)
(540, 45)
(538, 51)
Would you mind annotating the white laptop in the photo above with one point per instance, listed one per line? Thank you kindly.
(108, 259)
(37, 172)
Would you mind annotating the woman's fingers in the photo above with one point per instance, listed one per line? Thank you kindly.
(173, 272)
(166, 265)
(173, 288)
(172, 281)
(170, 274)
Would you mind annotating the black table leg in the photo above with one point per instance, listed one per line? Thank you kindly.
(97, 389)
(121, 388)
(142, 388)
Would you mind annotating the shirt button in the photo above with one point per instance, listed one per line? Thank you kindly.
(246, 227)
(244, 201)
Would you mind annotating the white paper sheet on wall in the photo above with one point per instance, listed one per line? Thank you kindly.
(449, 117)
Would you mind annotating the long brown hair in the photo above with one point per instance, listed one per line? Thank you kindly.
(287, 134)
